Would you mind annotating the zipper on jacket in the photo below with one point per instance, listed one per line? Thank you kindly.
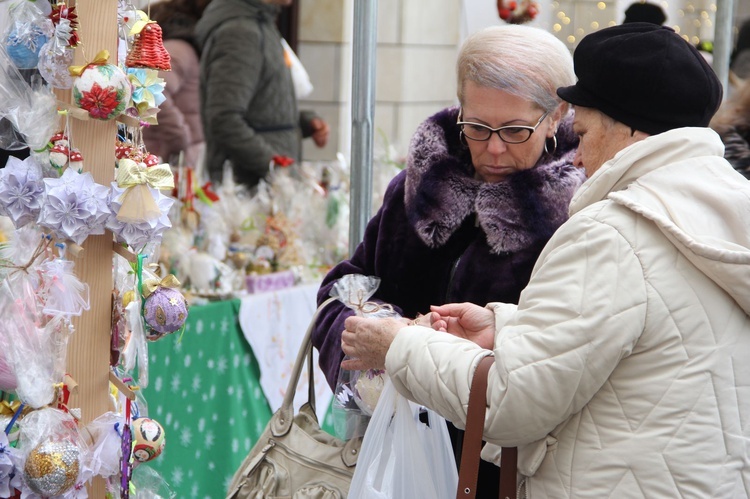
(313, 464)
(522, 487)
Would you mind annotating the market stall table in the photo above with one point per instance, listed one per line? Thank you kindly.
(207, 388)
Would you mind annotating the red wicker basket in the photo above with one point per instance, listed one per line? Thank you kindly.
(148, 50)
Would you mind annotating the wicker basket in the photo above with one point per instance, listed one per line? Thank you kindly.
(148, 50)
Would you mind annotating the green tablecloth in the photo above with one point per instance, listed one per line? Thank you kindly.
(204, 390)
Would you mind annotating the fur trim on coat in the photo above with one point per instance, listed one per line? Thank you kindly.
(441, 190)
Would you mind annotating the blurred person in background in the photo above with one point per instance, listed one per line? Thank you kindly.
(739, 61)
(486, 185)
(732, 123)
(247, 98)
(179, 129)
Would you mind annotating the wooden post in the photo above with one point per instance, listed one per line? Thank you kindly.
(88, 351)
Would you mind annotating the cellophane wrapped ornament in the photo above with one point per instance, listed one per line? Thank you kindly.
(357, 392)
(29, 30)
(51, 453)
(27, 104)
(56, 54)
(38, 296)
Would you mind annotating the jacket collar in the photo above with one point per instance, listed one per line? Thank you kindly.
(643, 157)
(441, 191)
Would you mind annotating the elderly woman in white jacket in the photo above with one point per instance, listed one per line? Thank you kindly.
(623, 371)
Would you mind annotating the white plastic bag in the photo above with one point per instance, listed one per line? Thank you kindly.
(302, 84)
(401, 457)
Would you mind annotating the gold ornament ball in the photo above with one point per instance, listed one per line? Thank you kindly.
(52, 467)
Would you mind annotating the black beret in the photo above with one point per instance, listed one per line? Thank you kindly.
(642, 12)
(645, 76)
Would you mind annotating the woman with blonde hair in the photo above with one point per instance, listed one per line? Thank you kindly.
(487, 183)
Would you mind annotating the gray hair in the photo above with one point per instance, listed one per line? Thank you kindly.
(524, 61)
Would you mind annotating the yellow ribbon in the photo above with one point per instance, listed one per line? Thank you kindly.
(141, 23)
(152, 284)
(137, 203)
(130, 174)
(9, 408)
(101, 58)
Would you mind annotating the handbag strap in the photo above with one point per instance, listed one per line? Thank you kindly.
(472, 444)
(283, 423)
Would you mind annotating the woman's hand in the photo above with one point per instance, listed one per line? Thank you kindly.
(367, 341)
(466, 320)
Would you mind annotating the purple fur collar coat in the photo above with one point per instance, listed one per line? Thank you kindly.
(443, 236)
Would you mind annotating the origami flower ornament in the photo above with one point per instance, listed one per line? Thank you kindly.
(148, 93)
(137, 235)
(21, 190)
(74, 206)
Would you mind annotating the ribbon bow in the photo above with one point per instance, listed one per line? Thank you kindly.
(101, 59)
(141, 23)
(9, 408)
(137, 202)
(130, 174)
(151, 285)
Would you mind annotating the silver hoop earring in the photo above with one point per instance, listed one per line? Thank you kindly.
(554, 145)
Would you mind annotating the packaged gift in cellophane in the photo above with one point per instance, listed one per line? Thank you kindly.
(357, 392)
(51, 455)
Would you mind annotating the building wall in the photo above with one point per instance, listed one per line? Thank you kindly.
(417, 42)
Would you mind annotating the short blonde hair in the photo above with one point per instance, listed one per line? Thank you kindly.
(524, 61)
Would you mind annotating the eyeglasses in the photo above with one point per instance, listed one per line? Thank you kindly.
(511, 134)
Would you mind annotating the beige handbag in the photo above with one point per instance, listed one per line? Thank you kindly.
(294, 457)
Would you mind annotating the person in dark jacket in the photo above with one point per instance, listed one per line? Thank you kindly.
(486, 185)
(179, 128)
(248, 105)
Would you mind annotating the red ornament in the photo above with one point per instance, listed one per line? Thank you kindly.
(282, 161)
(511, 12)
(148, 50)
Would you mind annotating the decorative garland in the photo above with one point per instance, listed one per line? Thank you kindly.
(517, 12)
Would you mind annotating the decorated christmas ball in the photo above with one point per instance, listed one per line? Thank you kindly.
(148, 439)
(52, 467)
(24, 51)
(102, 90)
(165, 311)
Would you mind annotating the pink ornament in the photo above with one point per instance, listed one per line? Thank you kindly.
(165, 312)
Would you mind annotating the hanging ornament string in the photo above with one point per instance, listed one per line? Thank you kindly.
(39, 251)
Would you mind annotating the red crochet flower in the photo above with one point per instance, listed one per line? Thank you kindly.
(282, 161)
(99, 102)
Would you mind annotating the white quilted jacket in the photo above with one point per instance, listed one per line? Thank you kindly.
(624, 371)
